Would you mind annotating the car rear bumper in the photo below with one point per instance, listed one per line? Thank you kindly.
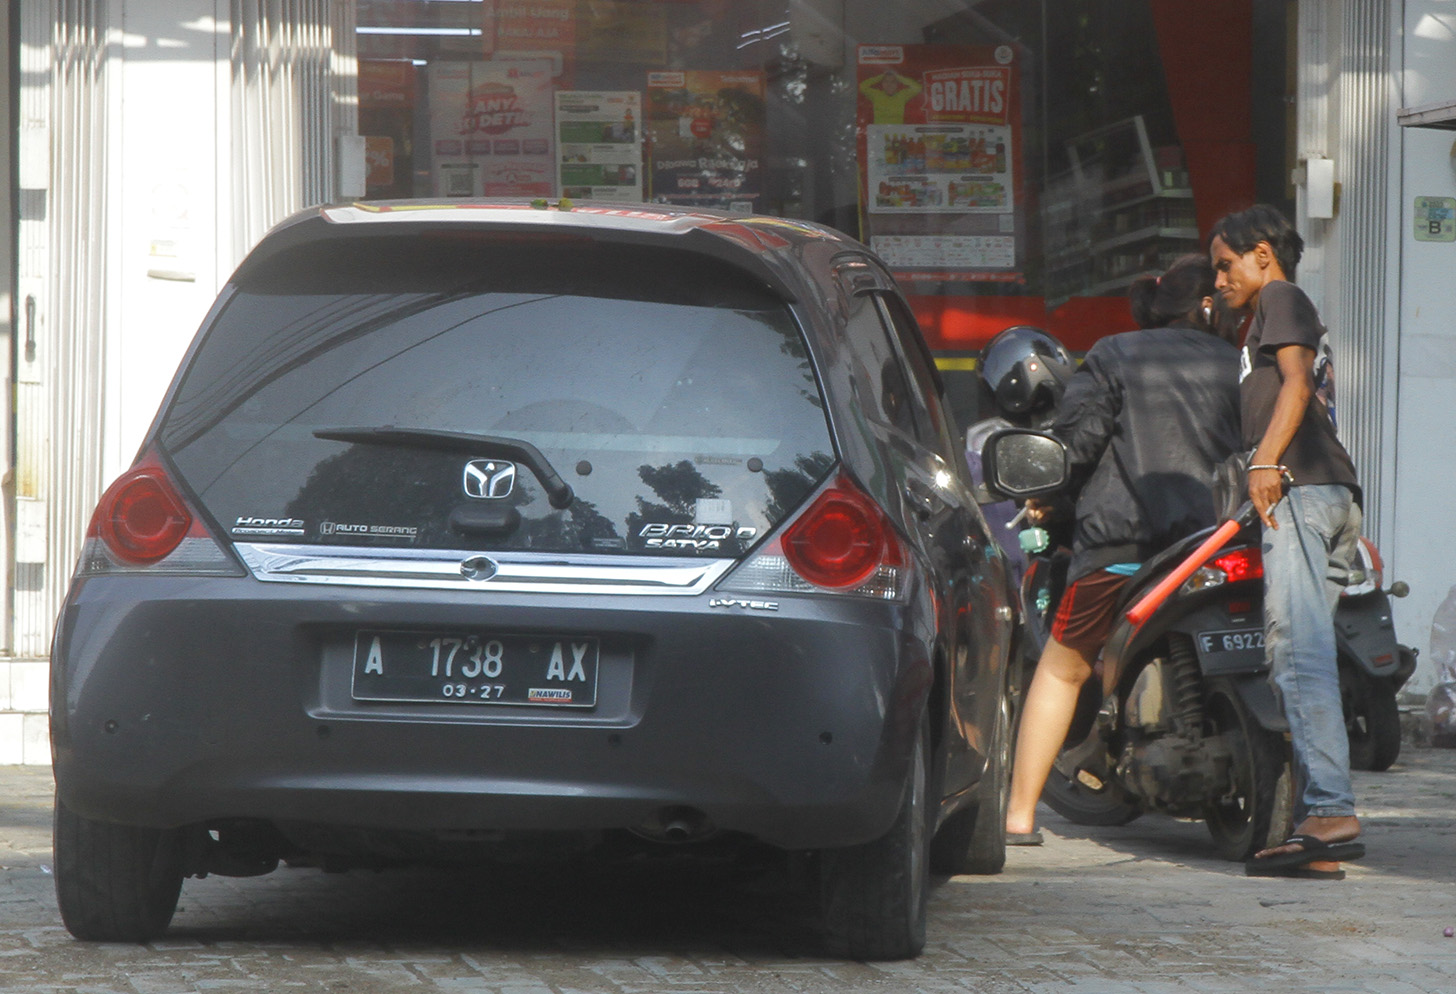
(178, 700)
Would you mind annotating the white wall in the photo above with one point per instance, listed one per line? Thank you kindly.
(1424, 552)
(164, 272)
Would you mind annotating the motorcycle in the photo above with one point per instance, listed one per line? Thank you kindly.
(1183, 720)
(1373, 664)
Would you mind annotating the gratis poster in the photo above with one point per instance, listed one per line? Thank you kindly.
(490, 129)
(940, 160)
(599, 144)
(706, 135)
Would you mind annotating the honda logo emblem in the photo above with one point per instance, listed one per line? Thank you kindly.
(489, 478)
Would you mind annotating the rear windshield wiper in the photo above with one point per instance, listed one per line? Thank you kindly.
(558, 491)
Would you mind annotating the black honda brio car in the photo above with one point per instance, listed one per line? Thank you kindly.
(468, 524)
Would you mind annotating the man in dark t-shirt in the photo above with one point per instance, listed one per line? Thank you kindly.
(1286, 394)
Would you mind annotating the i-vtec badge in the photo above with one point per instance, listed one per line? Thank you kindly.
(267, 526)
(750, 605)
(704, 538)
(489, 478)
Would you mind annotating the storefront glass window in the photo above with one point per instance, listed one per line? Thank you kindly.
(1015, 162)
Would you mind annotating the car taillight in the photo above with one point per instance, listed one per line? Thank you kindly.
(1230, 567)
(841, 543)
(140, 518)
(142, 523)
(838, 542)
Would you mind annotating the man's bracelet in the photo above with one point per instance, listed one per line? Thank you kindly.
(1281, 470)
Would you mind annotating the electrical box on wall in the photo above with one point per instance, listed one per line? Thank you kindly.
(352, 166)
(1319, 187)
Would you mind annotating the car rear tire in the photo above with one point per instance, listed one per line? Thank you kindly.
(873, 896)
(973, 840)
(115, 883)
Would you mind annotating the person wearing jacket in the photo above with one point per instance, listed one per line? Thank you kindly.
(1146, 420)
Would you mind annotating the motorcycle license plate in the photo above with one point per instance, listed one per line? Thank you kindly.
(1238, 640)
(476, 668)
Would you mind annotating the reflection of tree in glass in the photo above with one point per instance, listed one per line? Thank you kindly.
(741, 111)
(374, 485)
(789, 487)
(793, 346)
(680, 486)
(581, 526)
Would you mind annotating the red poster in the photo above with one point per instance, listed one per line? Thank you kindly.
(542, 29)
(706, 134)
(940, 160)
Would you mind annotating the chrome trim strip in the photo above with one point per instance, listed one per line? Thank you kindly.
(440, 569)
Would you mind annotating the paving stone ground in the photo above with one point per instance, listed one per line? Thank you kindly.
(1145, 908)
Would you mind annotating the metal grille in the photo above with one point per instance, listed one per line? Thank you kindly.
(292, 91)
(62, 275)
(1366, 110)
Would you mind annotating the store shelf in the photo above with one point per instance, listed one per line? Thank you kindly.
(1104, 288)
(1116, 211)
(1143, 235)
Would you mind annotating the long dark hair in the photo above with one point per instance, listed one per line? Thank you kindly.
(1243, 230)
(1176, 297)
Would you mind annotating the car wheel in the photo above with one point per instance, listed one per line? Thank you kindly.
(1258, 809)
(1372, 719)
(873, 896)
(115, 883)
(973, 840)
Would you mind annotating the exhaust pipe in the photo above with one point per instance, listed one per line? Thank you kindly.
(675, 826)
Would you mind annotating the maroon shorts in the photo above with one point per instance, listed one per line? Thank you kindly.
(1087, 612)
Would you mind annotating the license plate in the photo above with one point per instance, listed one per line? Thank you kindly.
(1241, 640)
(476, 668)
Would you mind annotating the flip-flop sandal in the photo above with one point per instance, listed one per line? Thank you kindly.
(1312, 850)
(1319, 869)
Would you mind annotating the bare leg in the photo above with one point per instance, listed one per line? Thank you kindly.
(1050, 703)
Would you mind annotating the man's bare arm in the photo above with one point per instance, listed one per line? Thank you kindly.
(1296, 369)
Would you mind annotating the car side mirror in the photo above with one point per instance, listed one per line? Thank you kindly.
(1019, 464)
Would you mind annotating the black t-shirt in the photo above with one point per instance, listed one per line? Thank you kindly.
(1285, 316)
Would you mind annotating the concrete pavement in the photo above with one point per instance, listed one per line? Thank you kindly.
(1142, 908)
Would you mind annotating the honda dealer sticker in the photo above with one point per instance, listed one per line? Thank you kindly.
(250, 525)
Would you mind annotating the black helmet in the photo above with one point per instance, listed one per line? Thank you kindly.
(1026, 369)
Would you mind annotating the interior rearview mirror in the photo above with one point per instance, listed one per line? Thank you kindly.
(1019, 463)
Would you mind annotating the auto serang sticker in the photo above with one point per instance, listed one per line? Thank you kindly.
(375, 531)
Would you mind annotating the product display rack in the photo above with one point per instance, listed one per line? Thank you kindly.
(1123, 210)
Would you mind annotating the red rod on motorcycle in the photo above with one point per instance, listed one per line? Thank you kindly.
(1149, 602)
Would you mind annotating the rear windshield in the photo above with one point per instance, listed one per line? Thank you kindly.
(672, 393)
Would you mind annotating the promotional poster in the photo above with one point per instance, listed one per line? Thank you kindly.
(599, 143)
(706, 133)
(490, 129)
(940, 160)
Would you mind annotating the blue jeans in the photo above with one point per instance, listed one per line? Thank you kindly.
(1306, 561)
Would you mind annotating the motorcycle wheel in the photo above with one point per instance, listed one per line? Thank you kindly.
(1372, 719)
(1258, 811)
(1081, 805)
